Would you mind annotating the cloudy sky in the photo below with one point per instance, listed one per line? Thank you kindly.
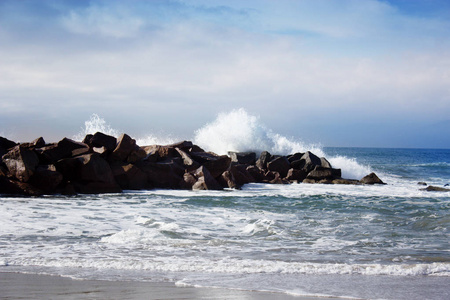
(335, 72)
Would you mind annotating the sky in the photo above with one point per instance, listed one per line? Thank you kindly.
(356, 73)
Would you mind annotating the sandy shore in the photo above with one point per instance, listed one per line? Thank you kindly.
(29, 286)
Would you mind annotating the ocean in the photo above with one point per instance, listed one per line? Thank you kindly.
(369, 242)
(350, 241)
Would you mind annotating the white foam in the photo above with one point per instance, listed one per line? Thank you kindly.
(96, 124)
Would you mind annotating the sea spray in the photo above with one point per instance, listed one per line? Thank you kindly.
(96, 124)
(241, 132)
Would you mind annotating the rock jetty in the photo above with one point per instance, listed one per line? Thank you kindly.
(105, 164)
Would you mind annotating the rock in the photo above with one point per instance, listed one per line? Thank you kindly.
(295, 175)
(38, 143)
(188, 162)
(129, 177)
(432, 188)
(298, 164)
(245, 158)
(102, 140)
(11, 187)
(167, 174)
(263, 159)
(240, 174)
(325, 163)
(46, 178)
(215, 164)
(256, 173)
(311, 161)
(63, 149)
(345, 181)
(280, 165)
(227, 180)
(155, 153)
(21, 162)
(372, 178)
(5, 145)
(205, 180)
(294, 157)
(188, 181)
(94, 168)
(308, 180)
(276, 178)
(321, 173)
(125, 144)
(184, 145)
(136, 155)
(422, 183)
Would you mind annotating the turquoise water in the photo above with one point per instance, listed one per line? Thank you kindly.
(368, 242)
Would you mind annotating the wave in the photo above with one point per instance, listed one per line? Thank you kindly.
(237, 131)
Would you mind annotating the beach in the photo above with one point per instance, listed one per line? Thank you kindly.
(32, 286)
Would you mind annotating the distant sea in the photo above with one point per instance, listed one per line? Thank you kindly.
(371, 242)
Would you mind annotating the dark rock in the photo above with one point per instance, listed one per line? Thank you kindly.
(205, 180)
(46, 178)
(246, 158)
(125, 144)
(215, 164)
(188, 162)
(95, 168)
(320, 173)
(136, 155)
(240, 174)
(227, 180)
(311, 161)
(294, 157)
(325, 163)
(422, 183)
(195, 148)
(21, 162)
(280, 165)
(38, 143)
(188, 181)
(295, 175)
(168, 174)
(309, 180)
(298, 164)
(156, 153)
(345, 181)
(5, 145)
(80, 151)
(63, 149)
(256, 173)
(276, 178)
(103, 140)
(263, 159)
(372, 178)
(129, 177)
(88, 139)
(432, 188)
(184, 145)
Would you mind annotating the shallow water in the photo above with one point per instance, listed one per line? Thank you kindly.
(377, 242)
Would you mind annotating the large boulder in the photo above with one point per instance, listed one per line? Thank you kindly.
(311, 161)
(295, 175)
(156, 153)
(240, 174)
(5, 145)
(432, 188)
(372, 178)
(46, 178)
(263, 159)
(188, 162)
(227, 180)
(12, 187)
(216, 164)
(325, 163)
(63, 149)
(280, 165)
(100, 139)
(129, 177)
(321, 173)
(205, 181)
(245, 158)
(125, 145)
(295, 156)
(21, 162)
(167, 174)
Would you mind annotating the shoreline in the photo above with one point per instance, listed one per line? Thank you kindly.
(38, 286)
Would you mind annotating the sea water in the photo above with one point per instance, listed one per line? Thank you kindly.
(365, 242)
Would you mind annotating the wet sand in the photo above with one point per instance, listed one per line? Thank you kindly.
(30, 286)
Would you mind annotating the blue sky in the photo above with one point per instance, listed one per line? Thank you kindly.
(335, 72)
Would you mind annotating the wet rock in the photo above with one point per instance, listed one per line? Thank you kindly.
(263, 160)
(216, 164)
(63, 149)
(188, 162)
(294, 157)
(167, 174)
(295, 175)
(125, 144)
(102, 140)
(372, 178)
(280, 165)
(245, 158)
(321, 173)
(227, 180)
(311, 161)
(205, 180)
(5, 145)
(129, 177)
(345, 181)
(432, 188)
(325, 163)
(240, 174)
(422, 183)
(46, 178)
(21, 162)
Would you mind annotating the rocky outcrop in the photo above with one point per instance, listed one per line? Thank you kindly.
(104, 164)
(432, 188)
